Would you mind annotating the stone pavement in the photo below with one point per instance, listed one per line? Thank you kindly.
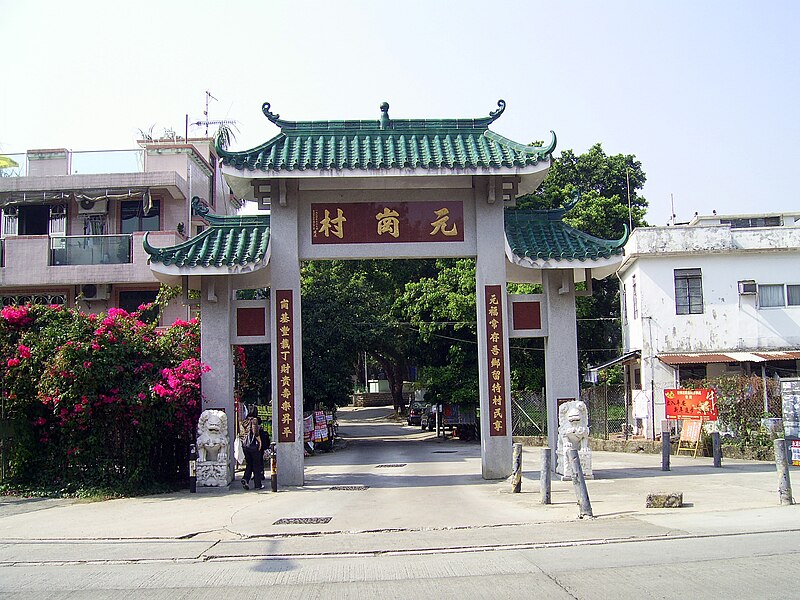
(394, 489)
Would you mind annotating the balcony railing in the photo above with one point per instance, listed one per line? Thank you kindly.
(91, 250)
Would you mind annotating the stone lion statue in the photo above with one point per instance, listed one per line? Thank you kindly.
(573, 432)
(212, 449)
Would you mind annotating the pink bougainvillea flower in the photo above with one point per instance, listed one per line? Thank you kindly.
(13, 362)
(24, 351)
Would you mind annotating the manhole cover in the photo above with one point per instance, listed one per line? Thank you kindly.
(445, 451)
(392, 466)
(350, 488)
(303, 521)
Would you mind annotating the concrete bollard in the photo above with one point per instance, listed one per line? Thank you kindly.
(665, 445)
(579, 483)
(545, 475)
(516, 477)
(716, 446)
(274, 466)
(782, 466)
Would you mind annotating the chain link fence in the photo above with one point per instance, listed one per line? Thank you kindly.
(528, 413)
(608, 413)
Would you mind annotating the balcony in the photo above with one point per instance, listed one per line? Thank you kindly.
(91, 250)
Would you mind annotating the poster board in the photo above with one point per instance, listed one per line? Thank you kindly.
(691, 431)
(790, 397)
(795, 448)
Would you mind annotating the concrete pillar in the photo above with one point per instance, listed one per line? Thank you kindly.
(285, 278)
(215, 351)
(490, 273)
(560, 349)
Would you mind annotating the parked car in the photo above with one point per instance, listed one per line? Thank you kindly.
(415, 411)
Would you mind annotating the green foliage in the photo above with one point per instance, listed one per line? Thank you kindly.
(740, 403)
(98, 402)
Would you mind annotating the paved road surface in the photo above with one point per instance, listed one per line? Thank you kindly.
(428, 526)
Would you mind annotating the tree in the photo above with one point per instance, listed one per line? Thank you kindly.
(603, 184)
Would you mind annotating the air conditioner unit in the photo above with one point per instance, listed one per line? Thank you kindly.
(92, 291)
(747, 287)
(92, 207)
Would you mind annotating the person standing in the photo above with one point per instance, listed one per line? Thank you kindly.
(253, 452)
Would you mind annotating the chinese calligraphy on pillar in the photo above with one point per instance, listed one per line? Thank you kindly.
(495, 344)
(389, 222)
(285, 401)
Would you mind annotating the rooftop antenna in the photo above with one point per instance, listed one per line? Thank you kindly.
(206, 121)
(672, 205)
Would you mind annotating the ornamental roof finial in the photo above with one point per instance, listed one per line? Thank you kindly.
(495, 114)
(386, 122)
(271, 116)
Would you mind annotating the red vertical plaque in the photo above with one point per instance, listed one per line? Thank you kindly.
(495, 344)
(285, 353)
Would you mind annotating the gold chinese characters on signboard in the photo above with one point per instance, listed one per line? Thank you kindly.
(372, 222)
(495, 344)
(286, 399)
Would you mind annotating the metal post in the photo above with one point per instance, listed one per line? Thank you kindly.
(192, 468)
(516, 477)
(273, 447)
(545, 475)
(716, 445)
(782, 465)
(665, 445)
(579, 483)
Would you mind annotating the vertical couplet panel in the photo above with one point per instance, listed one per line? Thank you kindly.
(286, 374)
(493, 298)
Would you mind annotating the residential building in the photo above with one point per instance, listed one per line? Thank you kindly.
(75, 238)
(716, 296)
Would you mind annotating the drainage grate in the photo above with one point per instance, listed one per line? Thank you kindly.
(391, 466)
(445, 451)
(350, 488)
(303, 521)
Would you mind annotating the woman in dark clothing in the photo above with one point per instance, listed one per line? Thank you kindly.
(253, 452)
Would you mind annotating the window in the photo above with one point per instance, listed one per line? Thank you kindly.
(774, 295)
(635, 299)
(133, 217)
(132, 300)
(752, 222)
(624, 304)
(793, 295)
(688, 292)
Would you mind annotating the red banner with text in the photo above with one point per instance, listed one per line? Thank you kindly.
(691, 404)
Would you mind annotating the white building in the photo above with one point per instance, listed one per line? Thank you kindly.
(718, 295)
(72, 235)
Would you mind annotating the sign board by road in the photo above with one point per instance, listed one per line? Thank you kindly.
(691, 404)
(796, 453)
(790, 394)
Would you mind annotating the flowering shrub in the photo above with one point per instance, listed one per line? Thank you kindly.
(99, 401)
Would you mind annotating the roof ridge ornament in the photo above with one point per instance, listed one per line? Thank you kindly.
(495, 114)
(271, 116)
(198, 207)
(386, 122)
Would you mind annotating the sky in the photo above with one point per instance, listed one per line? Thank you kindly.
(706, 94)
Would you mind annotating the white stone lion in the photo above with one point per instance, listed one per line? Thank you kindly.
(212, 436)
(573, 432)
(212, 449)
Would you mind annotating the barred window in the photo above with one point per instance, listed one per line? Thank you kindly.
(688, 292)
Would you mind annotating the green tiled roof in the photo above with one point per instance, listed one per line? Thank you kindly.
(541, 234)
(229, 241)
(386, 144)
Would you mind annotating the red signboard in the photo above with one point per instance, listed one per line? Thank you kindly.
(496, 359)
(285, 350)
(691, 404)
(386, 222)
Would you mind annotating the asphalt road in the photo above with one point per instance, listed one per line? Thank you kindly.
(441, 532)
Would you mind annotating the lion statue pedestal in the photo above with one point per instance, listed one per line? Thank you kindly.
(573, 432)
(212, 449)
